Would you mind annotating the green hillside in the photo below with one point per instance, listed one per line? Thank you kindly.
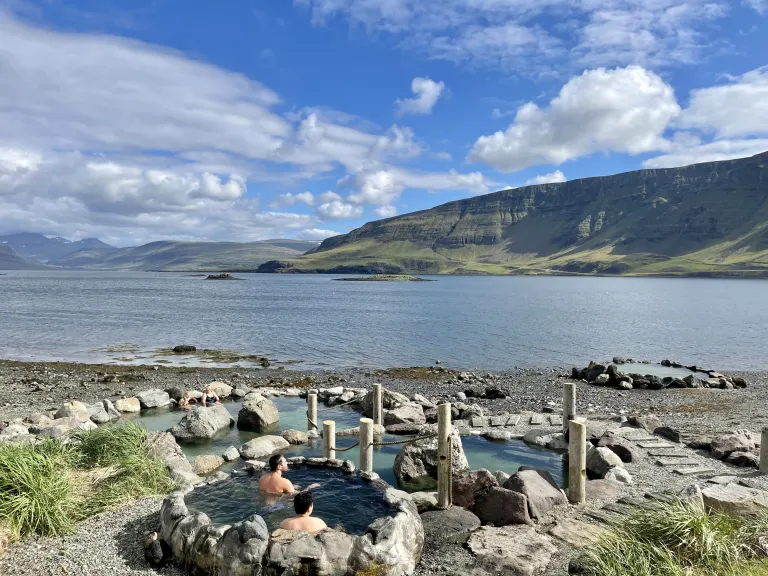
(186, 256)
(707, 219)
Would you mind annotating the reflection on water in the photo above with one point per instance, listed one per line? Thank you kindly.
(341, 500)
(506, 456)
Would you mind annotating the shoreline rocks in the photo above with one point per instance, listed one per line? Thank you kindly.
(258, 413)
(203, 422)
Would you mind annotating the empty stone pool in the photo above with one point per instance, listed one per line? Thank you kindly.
(341, 500)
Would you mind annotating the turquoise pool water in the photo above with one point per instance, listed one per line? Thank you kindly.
(506, 456)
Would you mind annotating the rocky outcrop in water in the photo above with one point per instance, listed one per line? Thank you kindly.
(203, 422)
(417, 462)
(258, 413)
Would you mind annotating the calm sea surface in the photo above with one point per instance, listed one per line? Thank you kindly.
(466, 322)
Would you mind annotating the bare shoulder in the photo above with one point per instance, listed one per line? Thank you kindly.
(287, 486)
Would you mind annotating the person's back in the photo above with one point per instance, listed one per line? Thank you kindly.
(304, 505)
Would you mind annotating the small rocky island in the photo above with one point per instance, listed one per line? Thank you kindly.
(222, 276)
(386, 278)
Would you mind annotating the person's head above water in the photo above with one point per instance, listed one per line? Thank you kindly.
(303, 503)
(275, 461)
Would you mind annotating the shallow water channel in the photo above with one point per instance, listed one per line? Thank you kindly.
(481, 453)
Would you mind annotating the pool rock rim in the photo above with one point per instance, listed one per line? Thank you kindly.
(391, 543)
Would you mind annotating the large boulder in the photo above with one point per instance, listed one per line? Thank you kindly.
(739, 441)
(620, 446)
(601, 460)
(153, 398)
(511, 550)
(222, 389)
(127, 405)
(649, 422)
(175, 392)
(500, 507)
(735, 499)
(467, 487)
(74, 409)
(114, 413)
(542, 496)
(295, 436)
(418, 461)
(163, 445)
(389, 401)
(202, 422)
(258, 413)
(452, 525)
(98, 414)
(410, 413)
(263, 446)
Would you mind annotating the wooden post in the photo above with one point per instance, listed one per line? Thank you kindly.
(444, 463)
(764, 452)
(366, 444)
(577, 462)
(377, 408)
(569, 405)
(329, 439)
(312, 410)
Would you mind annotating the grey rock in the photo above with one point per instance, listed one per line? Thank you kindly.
(620, 446)
(405, 428)
(671, 434)
(501, 476)
(254, 466)
(175, 392)
(577, 533)
(98, 414)
(418, 460)
(735, 499)
(739, 441)
(239, 393)
(510, 550)
(113, 412)
(619, 475)
(648, 422)
(206, 464)
(295, 437)
(73, 409)
(389, 400)
(692, 495)
(452, 525)
(497, 435)
(542, 497)
(467, 487)
(202, 422)
(744, 459)
(410, 413)
(231, 454)
(257, 414)
(153, 398)
(263, 446)
(500, 507)
(222, 389)
(601, 460)
(602, 490)
(127, 405)
(426, 501)
(602, 379)
(423, 401)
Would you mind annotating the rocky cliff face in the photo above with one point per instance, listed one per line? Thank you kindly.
(657, 214)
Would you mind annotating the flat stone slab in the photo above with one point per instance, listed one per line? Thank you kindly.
(511, 550)
(736, 499)
(690, 471)
(672, 462)
(668, 455)
(577, 533)
(478, 421)
(556, 420)
(454, 524)
(604, 517)
(658, 444)
(513, 420)
(722, 479)
(498, 420)
(537, 420)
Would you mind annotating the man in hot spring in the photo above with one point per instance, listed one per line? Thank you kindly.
(273, 482)
(304, 505)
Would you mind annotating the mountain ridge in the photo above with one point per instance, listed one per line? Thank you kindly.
(702, 219)
(45, 249)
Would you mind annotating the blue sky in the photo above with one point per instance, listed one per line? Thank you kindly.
(243, 120)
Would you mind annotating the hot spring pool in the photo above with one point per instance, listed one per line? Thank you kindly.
(341, 499)
(506, 456)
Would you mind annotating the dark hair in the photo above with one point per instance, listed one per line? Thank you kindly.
(274, 461)
(302, 502)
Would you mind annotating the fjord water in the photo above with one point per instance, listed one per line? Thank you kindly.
(464, 321)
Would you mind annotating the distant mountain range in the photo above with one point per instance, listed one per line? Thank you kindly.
(34, 251)
(704, 219)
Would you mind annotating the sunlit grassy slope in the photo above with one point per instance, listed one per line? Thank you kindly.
(704, 219)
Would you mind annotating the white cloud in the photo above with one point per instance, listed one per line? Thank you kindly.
(621, 110)
(338, 210)
(384, 186)
(316, 234)
(738, 108)
(709, 152)
(507, 34)
(328, 197)
(288, 199)
(427, 93)
(760, 5)
(556, 176)
(386, 211)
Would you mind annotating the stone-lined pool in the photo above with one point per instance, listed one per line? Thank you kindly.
(341, 500)
(481, 453)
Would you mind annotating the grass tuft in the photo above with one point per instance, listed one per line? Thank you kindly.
(46, 488)
(681, 539)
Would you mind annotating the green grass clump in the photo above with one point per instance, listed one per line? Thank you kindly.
(46, 488)
(680, 539)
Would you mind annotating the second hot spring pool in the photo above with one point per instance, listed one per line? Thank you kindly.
(341, 499)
